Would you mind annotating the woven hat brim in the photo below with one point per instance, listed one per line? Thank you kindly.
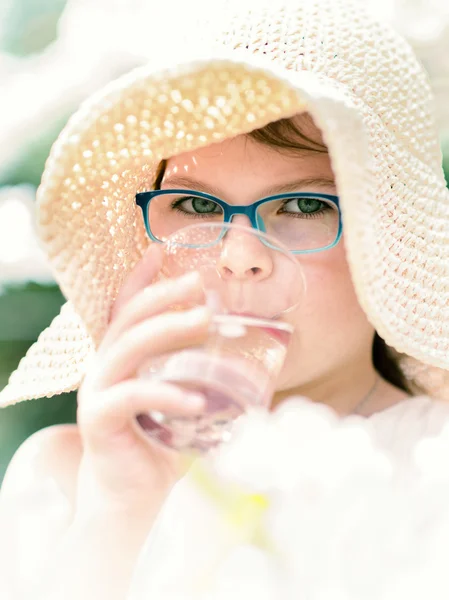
(409, 312)
(54, 364)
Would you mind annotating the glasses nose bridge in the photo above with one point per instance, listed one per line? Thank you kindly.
(248, 211)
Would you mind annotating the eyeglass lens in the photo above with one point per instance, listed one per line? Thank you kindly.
(299, 223)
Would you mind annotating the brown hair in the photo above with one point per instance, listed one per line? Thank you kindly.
(286, 136)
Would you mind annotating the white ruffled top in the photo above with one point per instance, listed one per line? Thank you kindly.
(399, 428)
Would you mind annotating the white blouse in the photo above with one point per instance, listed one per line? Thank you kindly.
(399, 428)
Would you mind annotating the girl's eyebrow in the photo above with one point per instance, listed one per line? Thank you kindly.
(298, 184)
(292, 186)
(190, 184)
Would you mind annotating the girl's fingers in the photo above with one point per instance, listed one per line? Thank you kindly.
(144, 273)
(159, 335)
(112, 413)
(153, 300)
(140, 328)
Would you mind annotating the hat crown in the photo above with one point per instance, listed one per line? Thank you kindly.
(340, 40)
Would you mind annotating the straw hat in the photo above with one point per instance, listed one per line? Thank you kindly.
(364, 88)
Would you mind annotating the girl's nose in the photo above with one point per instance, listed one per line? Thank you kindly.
(244, 257)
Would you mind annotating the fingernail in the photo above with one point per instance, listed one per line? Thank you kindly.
(213, 301)
(190, 278)
(196, 401)
(196, 315)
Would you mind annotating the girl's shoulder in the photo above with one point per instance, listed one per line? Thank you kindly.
(37, 500)
(424, 410)
(50, 454)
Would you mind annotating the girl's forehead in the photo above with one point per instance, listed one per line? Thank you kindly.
(242, 157)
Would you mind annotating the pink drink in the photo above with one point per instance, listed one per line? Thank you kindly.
(234, 370)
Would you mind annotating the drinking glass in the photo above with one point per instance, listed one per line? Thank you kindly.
(254, 286)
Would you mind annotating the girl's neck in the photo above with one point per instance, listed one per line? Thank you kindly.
(347, 389)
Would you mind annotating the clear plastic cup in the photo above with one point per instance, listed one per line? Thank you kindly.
(254, 286)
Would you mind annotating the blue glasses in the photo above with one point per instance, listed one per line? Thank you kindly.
(303, 222)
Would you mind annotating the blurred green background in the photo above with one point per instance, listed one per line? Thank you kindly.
(45, 43)
(26, 307)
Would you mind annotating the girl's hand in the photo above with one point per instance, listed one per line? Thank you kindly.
(123, 471)
(79, 501)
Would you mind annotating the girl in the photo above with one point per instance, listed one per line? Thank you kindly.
(316, 98)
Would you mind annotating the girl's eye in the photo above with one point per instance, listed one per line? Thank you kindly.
(304, 205)
(198, 206)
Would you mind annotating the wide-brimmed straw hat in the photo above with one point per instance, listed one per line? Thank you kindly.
(365, 90)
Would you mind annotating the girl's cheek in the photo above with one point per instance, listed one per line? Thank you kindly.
(330, 324)
(326, 279)
(330, 308)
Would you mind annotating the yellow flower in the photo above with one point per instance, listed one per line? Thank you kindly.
(243, 510)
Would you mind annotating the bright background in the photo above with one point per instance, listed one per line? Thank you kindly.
(54, 53)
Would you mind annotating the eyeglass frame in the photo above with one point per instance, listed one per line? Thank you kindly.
(143, 200)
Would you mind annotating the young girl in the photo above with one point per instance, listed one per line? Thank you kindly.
(317, 98)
